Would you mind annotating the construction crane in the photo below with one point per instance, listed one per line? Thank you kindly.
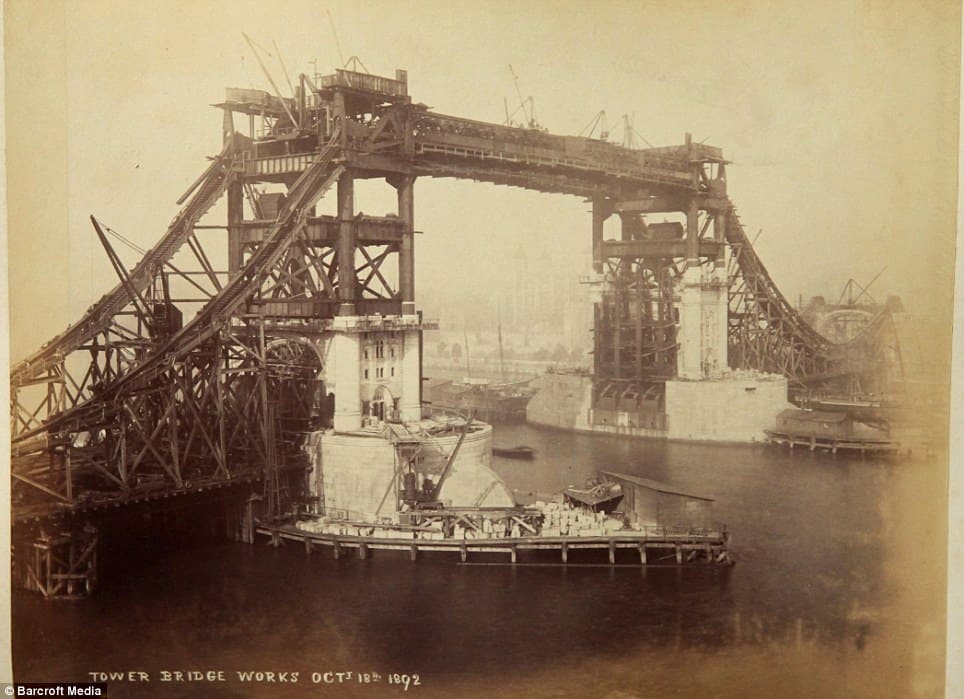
(853, 292)
(267, 74)
(632, 137)
(598, 121)
(527, 106)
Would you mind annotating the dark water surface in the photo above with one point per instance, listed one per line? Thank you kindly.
(837, 592)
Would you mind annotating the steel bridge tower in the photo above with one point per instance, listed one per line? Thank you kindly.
(662, 288)
(205, 367)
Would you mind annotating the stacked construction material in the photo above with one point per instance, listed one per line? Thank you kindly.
(564, 519)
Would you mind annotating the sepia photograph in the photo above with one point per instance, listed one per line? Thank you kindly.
(453, 349)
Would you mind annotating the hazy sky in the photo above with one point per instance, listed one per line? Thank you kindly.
(839, 117)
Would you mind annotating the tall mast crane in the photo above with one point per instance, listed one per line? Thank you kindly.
(527, 106)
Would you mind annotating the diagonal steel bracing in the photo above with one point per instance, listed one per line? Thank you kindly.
(138, 396)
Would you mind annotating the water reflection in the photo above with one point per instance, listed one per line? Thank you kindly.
(814, 537)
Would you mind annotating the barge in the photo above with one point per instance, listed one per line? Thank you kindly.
(597, 495)
(829, 431)
(492, 402)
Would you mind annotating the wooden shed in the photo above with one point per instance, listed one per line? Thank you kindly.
(650, 502)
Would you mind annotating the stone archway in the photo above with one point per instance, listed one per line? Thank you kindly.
(384, 405)
(297, 382)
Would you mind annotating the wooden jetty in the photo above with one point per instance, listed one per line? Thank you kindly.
(650, 545)
(816, 443)
(828, 431)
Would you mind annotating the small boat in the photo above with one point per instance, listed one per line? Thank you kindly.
(518, 452)
(598, 495)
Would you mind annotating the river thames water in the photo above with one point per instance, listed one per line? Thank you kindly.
(837, 592)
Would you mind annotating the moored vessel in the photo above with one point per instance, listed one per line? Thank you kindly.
(830, 431)
(597, 495)
(492, 402)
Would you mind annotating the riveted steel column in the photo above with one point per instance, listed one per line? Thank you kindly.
(719, 234)
(406, 252)
(693, 232)
(346, 245)
(600, 212)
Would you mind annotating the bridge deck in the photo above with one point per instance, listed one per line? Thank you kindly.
(91, 501)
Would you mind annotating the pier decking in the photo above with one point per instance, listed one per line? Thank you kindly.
(650, 546)
(833, 445)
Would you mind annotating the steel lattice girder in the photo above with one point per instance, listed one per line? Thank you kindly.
(142, 395)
